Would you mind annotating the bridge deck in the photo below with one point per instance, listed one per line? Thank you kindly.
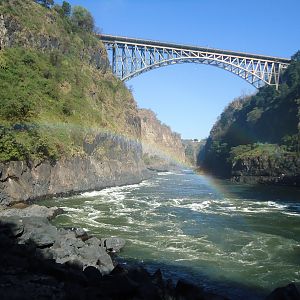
(112, 38)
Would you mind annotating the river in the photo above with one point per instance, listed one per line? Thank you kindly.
(237, 240)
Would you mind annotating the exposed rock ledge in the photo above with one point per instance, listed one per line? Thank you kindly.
(22, 182)
(31, 211)
(264, 170)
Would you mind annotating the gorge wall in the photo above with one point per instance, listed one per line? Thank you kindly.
(108, 161)
(66, 123)
(257, 138)
(161, 146)
(192, 149)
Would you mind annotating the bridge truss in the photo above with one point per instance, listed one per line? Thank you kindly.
(130, 57)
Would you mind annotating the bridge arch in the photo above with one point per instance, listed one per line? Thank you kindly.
(240, 71)
(130, 57)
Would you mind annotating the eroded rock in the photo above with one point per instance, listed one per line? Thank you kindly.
(64, 246)
(113, 244)
(32, 211)
(38, 231)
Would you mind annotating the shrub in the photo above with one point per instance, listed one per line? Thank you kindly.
(10, 149)
(82, 19)
(254, 115)
(18, 109)
(291, 142)
(238, 151)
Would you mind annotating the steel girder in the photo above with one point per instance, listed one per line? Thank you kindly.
(131, 57)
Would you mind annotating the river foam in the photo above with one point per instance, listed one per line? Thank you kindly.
(179, 218)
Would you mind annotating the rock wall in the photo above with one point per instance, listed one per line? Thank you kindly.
(3, 32)
(260, 169)
(161, 146)
(192, 149)
(108, 161)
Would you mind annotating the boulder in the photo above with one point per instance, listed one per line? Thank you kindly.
(94, 255)
(68, 239)
(119, 270)
(139, 275)
(38, 231)
(188, 291)
(93, 242)
(93, 275)
(113, 244)
(11, 226)
(32, 211)
(61, 245)
(289, 292)
(157, 278)
(81, 233)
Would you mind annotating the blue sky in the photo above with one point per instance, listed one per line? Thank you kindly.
(190, 97)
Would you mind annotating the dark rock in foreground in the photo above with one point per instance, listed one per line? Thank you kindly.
(58, 244)
(39, 261)
(289, 292)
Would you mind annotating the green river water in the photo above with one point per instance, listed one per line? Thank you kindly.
(238, 240)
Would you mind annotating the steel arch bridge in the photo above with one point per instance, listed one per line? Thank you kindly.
(130, 57)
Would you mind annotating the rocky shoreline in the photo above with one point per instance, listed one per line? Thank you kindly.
(39, 261)
(283, 170)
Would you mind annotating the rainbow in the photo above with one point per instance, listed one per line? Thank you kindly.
(161, 151)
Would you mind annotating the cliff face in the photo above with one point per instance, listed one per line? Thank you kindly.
(192, 149)
(109, 161)
(161, 146)
(283, 169)
(66, 123)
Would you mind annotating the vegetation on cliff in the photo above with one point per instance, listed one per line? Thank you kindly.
(56, 87)
(265, 126)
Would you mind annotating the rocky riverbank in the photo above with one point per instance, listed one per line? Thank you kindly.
(39, 261)
(281, 170)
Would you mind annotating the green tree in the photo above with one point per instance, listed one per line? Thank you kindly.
(45, 3)
(254, 115)
(83, 19)
(296, 56)
(66, 8)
